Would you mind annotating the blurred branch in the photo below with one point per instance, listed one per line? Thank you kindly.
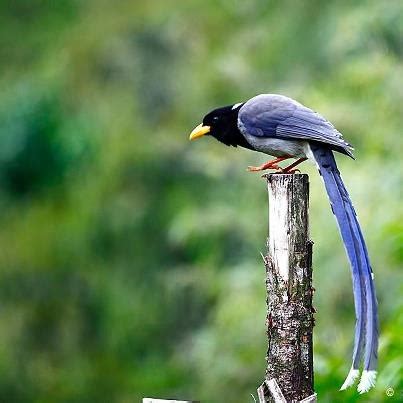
(275, 391)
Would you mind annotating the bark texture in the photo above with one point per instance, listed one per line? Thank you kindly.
(289, 287)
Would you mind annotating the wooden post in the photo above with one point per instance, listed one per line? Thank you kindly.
(289, 288)
(152, 400)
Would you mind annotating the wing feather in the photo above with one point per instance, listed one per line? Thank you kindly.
(277, 116)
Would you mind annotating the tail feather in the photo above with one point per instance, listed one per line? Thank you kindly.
(351, 378)
(371, 353)
(366, 329)
(367, 381)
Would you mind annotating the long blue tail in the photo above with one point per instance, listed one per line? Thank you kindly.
(366, 328)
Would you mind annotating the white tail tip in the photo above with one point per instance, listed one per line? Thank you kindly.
(367, 381)
(351, 378)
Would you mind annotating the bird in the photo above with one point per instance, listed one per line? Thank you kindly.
(283, 128)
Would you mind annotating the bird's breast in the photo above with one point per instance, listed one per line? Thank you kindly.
(277, 147)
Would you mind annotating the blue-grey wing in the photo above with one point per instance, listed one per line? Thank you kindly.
(277, 116)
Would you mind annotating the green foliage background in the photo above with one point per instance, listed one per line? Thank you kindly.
(129, 257)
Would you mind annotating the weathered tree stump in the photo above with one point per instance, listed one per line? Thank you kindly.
(289, 287)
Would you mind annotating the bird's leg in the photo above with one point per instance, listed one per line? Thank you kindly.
(289, 169)
(268, 165)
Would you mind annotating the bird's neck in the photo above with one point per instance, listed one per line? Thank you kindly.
(231, 135)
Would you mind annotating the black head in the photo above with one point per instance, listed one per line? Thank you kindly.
(222, 123)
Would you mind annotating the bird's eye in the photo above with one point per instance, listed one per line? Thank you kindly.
(215, 119)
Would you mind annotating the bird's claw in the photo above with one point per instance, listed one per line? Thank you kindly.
(287, 171)
(262, 168)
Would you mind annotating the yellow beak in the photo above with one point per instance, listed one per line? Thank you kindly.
(199, 131)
